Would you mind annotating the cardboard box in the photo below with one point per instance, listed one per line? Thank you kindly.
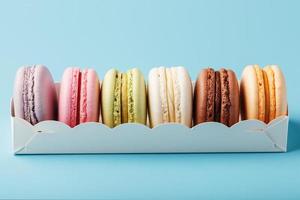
(53, 137)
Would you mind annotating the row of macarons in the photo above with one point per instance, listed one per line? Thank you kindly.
(168, 96)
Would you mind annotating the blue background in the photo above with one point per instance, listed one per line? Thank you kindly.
(144, 34)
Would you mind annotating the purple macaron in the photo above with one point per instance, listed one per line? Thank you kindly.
(35, 97)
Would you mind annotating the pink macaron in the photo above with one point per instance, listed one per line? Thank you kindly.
(79, 97)
(35, 97)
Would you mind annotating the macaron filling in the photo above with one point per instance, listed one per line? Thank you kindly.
(217, 106)
(124, 99)
(28, 96)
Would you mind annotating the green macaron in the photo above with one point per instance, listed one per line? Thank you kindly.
(123, 98)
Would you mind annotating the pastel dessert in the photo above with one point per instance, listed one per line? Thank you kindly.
(34, 96)
(216, 97)
(170, 96)
(79, 99)
(123, 98)
(263, 93)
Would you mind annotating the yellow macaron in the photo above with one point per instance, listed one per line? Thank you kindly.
(123, 98)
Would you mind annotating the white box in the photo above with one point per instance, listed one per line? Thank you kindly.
(53, 137)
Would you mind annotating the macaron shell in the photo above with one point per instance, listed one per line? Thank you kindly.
(186, 96)
(130, 97)
(172, 101)
(138, 88)
(200, 97)
(18, 93)
(45, 94)
(234, 98)
(210, 100)
(69, 97)
(117, 110)
(89, 96)
(280, 91)
(270, 94)
(249, 93)
(163, 94)
(204, 97)
(154, 98)
(107, 97)
(225, 97)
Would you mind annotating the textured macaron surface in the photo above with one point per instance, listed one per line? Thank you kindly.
(169, 96)
(28, 96)
(280, 91)
(35, 97)
(89, 96)
(110, 98)
(130, 97)
(211, 88)
(69, 97)
(137, 105)
(249, 93)
(263, 93)
(123, 97)
(117, 99)
(79, 96)
(275, 91)
(225, 97)
(216, 97)
(231, 105)
(204, 96)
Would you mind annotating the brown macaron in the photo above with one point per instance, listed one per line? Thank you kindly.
(216, 97)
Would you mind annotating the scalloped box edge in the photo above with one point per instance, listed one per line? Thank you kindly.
(54, 137)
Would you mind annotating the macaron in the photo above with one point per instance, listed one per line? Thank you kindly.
(34, 96)
(170, 96)
(123, 98)
(79, 99)
(263, 93)
(216, 97)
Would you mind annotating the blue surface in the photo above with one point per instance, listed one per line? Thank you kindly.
(124, 34)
